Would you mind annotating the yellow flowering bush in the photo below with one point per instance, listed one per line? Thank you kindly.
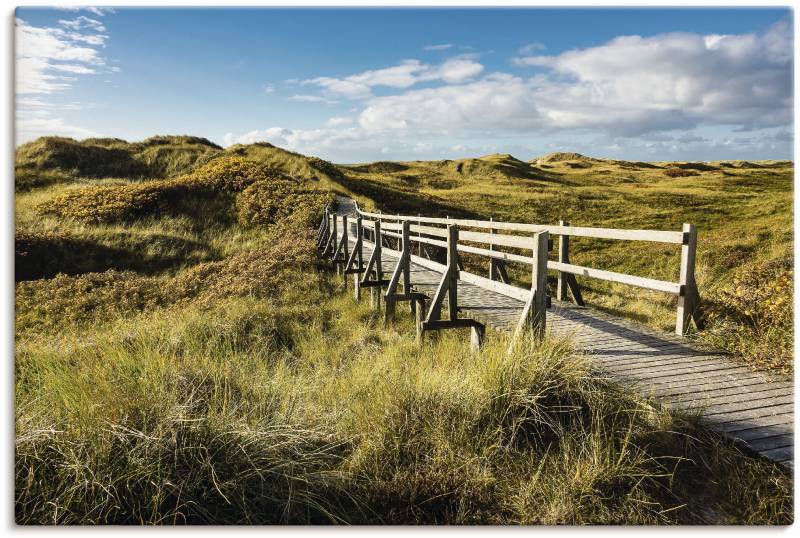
(271, 201)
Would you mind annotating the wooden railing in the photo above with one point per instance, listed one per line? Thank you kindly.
(439, 240)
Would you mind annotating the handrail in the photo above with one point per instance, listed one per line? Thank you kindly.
(656, 236)
(685, 288)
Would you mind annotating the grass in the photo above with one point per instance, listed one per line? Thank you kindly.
(189, 361)
(304, 409)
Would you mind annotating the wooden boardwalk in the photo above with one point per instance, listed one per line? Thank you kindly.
(752, 408)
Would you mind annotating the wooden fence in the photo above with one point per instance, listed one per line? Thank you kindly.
(440, 240)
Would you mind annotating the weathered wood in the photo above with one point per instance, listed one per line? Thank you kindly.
(448, 286)
(375, 283)
(374, 267)
(688, 301)
(563, 257)
(657, 236)
(621, 278)
(402, 270)
(420, 318)
(534, 312)
(476, 336)
(457, 323)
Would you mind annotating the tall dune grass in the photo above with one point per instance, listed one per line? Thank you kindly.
(305, 410)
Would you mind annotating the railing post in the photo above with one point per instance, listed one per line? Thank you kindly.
(492, 265)
(359, 259)
(401, 270)
(419, 235)
(452, 270)
(563, 257)
(321, 229)
(340, 266)
(534, 313)
(335, 236)
(689, 298)
(407, 249)
(375, 293)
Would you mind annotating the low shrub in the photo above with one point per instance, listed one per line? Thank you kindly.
(272, 201)
(753, 316)
(261, 273)
(106, 204)
(679, 172)
(45, 305)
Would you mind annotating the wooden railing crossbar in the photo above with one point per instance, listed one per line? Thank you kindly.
(657, 236)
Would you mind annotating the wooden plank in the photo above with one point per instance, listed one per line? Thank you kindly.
(731, 394)
(458, 323)
(783, 421)
(754, 434)
(776, 441)
(495, 254)
(727, 407)
(493, 285)
(736, 416)
(779, 454)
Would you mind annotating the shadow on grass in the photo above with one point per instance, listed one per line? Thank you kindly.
(405, 202)
(45, 255)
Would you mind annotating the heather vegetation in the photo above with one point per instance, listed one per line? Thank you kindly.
(182, 356)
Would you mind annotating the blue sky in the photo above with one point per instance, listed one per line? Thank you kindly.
(355, 85)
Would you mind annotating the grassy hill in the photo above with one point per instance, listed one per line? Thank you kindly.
(49, 160)
(182, 356)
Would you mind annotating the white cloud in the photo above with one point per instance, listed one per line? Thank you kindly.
(659, 97)
(635, 84)
(497, 101)
(443, 46)
(338, 121)
(31, 126)
(83, 22)
(531, 48)
(49, 60)
(403, 75)
(41, 51)
(311, 99)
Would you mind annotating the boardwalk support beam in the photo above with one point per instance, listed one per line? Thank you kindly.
(448, 288)
(330, 244)
(402, 270)
(375, 268)
(355, 264)
(340, 255)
